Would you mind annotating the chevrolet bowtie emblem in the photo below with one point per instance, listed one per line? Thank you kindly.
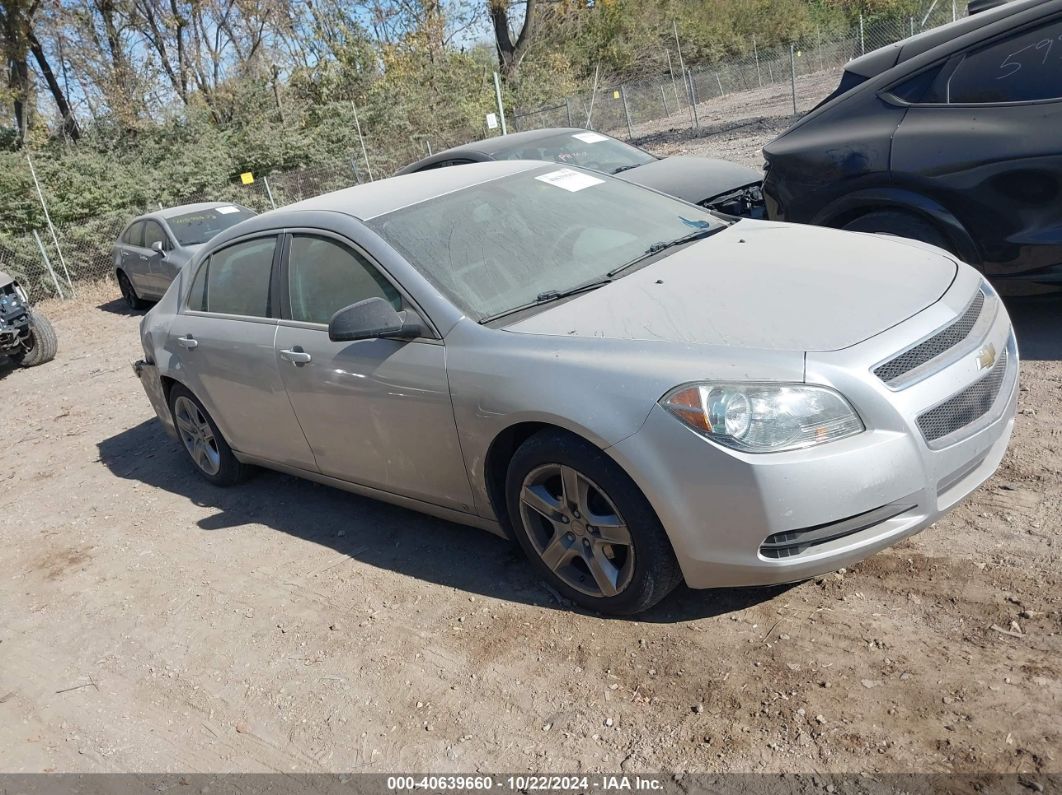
(986, 357)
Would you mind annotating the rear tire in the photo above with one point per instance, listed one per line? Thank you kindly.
(41, 345)
(901, 224)
(201, 439)
(586, 527)
(132, 300)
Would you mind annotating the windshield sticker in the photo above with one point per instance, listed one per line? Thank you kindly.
(227, 210)
(591, 137)
(570, 180)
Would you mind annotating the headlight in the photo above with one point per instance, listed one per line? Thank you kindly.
(764, 418)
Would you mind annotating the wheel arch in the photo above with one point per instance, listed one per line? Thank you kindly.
(500, 453)
(863, 202)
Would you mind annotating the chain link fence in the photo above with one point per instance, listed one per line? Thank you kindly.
(706, 98)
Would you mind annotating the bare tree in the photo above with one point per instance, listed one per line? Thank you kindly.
(17, 19)
(510, 52)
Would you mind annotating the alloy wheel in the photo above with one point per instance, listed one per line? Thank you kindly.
(197, 435)
(577, 530)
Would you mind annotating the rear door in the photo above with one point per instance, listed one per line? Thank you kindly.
(983, 137)
(224, 337)
(132, 261)
(376, 412)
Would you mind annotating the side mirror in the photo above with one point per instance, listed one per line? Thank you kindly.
(157, 246)
(372, 318)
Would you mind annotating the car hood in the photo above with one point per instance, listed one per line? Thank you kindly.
(692, 178)
(762, 285)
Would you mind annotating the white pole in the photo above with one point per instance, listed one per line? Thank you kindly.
(364, 154)
(269, 193)
(501, 107)
(862, 37)
(51, 226)
(593, 96)
(47, 263)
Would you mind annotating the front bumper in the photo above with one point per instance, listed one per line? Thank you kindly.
(737, 519)
(149, 377)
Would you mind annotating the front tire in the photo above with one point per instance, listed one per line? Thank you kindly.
(206, 447)
(586, 527)
(41, 345)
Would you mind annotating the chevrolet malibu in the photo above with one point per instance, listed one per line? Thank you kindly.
(637, 391)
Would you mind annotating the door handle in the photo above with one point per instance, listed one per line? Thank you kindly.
(295, 356)
(188, 342)
(142, 258)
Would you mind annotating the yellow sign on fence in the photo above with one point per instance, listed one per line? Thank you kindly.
(246, 177)
(615, 95)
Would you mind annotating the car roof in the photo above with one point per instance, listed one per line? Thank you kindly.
(387, 195)
(492, 146)
(878, 61)
(181, 209)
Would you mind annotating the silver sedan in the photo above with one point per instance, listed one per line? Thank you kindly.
(636, 390)
(153, 248)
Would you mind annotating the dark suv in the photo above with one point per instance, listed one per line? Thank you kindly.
(952, 137)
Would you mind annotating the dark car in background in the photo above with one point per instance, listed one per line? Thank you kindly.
(716, 184)
(952, 137)
(152, 248)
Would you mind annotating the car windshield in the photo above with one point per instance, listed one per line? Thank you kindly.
(197, 227)
(508, 243)
(586, 149)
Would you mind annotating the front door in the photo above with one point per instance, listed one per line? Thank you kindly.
(156, 260)
(224, 337)
(375, 412)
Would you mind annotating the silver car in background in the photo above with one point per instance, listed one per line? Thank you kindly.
(636, 390)
(153, 248)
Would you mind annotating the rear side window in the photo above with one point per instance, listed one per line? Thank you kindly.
(134, 235)
(235, 280)
(324, 276)
(1020, 68)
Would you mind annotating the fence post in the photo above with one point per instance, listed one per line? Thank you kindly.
(593, 96)
(756, 53)
(674, 82)
(693, 101)
(862, 37)
(361, 139)
(498, 99)
(720, 84)
(792, 74)
(269, 193)
(685, 72)
(568, 108)
(51, 226)
(912, 26)
(626, 111)
(954, 10)
(663, 98)
(48, 263)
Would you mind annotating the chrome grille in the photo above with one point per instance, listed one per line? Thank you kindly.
(939, 343)
(965, 407)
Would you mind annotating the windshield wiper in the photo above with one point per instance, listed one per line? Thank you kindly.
(624, 168)
(664, 245)
(549, 296)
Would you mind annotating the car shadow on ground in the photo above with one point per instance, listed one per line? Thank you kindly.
(374, 532)
(1038, 326)
(118, 306)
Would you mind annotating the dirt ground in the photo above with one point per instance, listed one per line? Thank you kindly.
(151, 622)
